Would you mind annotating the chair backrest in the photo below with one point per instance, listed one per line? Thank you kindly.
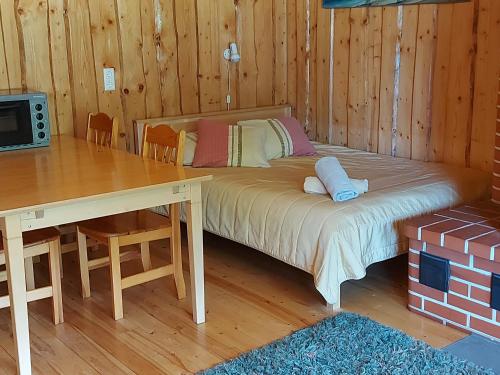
(163, 144)
(102, 130)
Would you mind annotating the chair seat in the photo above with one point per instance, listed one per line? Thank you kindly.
(124, 224)
(37, 237)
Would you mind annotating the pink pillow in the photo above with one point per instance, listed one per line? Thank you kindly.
(211, 149)
(301, 144)
(223, 145)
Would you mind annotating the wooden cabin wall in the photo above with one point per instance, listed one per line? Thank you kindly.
(413, 81)
(167, 55)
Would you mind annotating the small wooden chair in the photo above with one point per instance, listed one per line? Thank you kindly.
(103, 131)
(138, 228)
(36, 243)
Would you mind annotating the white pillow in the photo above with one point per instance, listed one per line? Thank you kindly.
(190, 147)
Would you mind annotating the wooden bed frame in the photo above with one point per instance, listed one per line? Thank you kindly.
(188, 122)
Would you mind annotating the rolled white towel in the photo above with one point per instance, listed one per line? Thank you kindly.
(313, 185)
(335, 179)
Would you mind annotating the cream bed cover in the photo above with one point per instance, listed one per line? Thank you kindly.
(267, 210)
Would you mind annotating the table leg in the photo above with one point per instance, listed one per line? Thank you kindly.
(14, 259)
(176, 250)
(195, 241)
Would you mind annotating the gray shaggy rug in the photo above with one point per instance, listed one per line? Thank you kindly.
(347, 344)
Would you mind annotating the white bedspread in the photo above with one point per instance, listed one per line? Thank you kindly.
(267, 210)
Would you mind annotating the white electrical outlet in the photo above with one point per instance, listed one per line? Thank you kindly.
(109, 79)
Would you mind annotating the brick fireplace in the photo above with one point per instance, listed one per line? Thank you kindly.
(467, 238)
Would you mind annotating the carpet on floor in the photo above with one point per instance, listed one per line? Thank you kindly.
(347, 344)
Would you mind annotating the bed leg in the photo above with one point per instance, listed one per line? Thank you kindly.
(334, 307)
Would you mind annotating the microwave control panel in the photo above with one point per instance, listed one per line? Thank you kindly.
(40, 119)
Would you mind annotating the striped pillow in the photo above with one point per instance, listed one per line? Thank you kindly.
(285, 137)
(223, 145)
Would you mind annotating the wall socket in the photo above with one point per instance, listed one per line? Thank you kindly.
(109, 79)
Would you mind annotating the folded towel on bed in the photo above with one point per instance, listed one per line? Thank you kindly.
(335, 179)
(313, 185)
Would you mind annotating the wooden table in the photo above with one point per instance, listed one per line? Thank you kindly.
(73, 180)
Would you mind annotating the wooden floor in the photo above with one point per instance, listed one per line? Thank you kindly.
(251, 300)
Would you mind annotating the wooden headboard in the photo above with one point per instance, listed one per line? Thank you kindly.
(188, 122)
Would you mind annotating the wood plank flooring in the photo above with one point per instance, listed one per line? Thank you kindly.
(251, 300)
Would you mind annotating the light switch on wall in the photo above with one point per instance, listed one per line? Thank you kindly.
(109, 79)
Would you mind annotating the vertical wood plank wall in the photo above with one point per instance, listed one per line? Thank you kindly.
(413, 81)
(167, 56)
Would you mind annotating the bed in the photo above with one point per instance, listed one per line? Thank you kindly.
(266, 208)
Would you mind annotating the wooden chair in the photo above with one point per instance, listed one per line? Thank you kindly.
(137, 228)
(103, 131)
(36, 243)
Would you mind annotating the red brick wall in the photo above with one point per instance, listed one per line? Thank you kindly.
(469, 237)
(465, 306)
(496, 166)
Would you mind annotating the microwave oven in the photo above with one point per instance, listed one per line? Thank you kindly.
(24, 119)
